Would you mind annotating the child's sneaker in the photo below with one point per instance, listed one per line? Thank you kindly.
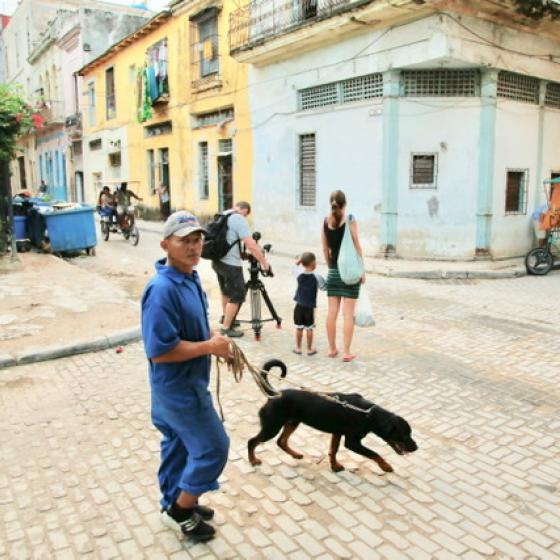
(189, 522)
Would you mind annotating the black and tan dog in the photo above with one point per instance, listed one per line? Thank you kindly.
(288, 408)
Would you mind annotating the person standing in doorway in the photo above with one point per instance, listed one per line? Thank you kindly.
(164, 202)
(338, 293)
(179, 344)
(43, 189)
(229, 270)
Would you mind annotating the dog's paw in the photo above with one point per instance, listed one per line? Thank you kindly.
(337, 467)
(255, 462)
(384, 465)
(296, 455)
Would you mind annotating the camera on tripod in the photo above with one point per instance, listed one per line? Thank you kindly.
(256, 290)
(254, 267)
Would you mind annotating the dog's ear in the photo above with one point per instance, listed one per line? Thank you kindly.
(380, 421)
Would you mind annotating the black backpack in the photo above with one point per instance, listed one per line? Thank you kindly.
(215, 245)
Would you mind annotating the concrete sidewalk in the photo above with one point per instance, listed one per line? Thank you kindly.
(403, 268)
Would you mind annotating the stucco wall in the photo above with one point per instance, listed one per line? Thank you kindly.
(438, 222)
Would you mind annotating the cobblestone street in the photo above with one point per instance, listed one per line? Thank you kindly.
(473, 366)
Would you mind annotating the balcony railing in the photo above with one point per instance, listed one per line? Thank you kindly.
(259, 20)
(52, 112)
(73, 125)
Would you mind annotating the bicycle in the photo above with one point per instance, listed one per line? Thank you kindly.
(541, 260)
(128, 229)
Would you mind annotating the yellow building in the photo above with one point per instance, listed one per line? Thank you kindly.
(168, 106)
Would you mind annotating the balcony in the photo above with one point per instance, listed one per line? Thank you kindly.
(260, 20)
(52, 113)
(268, 30)
(73, 125)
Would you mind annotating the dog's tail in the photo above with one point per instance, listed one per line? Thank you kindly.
(264, 383)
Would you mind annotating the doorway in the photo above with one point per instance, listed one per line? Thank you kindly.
(225, 182)
(22, 177)
(80, 195)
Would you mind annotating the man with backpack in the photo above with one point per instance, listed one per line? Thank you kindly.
(229, 268)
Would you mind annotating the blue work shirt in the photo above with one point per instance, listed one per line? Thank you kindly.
(175, 308)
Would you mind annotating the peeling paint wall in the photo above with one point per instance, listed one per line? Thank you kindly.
(438, 222)
(101, 29)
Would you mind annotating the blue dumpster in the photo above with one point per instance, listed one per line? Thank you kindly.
(72, 229)
(20, 227)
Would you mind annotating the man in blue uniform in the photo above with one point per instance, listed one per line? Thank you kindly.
(179, 345)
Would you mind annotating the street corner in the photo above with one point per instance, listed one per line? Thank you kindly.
(48, 303)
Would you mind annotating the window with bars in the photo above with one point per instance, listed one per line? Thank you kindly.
(215, 117)
(344, 91)
(518, 87)
(516, 191)
(163, 168)
(307, 170)
(225, 147)
(203, 180)
(91, 103)
(158, 129)
(441, 83)
(151, 162)
(110, 99)
(552, 95)
(423, 171)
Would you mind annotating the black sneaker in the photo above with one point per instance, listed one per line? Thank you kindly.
(232, 333)
(190, 523)
(205, 512)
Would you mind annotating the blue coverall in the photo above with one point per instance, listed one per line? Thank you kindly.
(194, 446)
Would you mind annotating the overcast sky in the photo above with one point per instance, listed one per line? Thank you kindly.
(8, 7)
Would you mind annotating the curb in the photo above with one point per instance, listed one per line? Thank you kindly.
(53, 352)
(451, 275)
(437, 274)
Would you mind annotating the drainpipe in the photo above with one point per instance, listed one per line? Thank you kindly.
(486, 155)
(390, 183)
(540, 141)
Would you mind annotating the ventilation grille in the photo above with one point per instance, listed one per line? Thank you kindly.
(552, 97)
(319, 96)
(364, 87)
(441, 83)
(345, 91)
(518, 87)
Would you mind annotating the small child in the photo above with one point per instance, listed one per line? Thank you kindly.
(308, 281)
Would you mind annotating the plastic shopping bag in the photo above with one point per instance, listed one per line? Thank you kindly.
(350, 264)
(363, 314)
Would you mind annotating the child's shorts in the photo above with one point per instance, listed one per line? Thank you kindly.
(304, 317)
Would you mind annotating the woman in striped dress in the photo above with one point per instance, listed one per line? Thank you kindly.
(337, 291)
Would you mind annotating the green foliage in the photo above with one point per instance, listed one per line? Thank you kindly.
(15, 118)
(538, 9)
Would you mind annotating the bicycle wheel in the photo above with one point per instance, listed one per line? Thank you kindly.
(105, 229)
(133, 236)
(538, 261)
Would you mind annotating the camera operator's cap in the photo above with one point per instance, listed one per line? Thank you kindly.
(181, 224)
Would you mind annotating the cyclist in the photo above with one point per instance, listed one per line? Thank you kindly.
(125, 212)
(106, 204)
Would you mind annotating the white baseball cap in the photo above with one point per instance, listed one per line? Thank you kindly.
(181, 224)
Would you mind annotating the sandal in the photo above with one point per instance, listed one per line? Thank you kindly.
(298, 352)
(312, 352)
(332, 354)
(349, 357)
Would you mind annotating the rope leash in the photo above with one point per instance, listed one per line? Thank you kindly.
(237, 365)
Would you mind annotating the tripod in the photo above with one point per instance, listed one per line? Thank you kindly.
(255, 289)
